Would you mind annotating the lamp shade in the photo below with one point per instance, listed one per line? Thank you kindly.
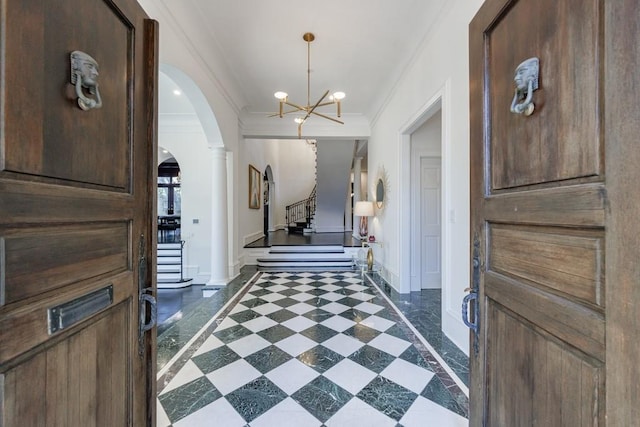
(363, 209)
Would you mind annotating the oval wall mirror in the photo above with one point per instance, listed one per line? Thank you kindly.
(379, 193)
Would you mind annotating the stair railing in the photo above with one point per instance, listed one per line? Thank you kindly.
(304, 209)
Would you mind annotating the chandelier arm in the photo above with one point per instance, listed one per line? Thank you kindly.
(299, 107)
(315, 106)
(284, 113)
(327, 103)
(327, 117)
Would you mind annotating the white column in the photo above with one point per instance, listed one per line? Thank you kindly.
(357, 189)
(219, 229)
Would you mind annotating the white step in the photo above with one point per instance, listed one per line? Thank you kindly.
(169, 246)
(168, 276)
(169, 268)
(168, 252)
(166, 260)
(175, 284)
(306, 249)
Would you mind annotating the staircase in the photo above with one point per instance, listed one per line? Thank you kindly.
(170, 266)
(306, 258)
(299, 216)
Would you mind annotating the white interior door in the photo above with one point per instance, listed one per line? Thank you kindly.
(431, 224)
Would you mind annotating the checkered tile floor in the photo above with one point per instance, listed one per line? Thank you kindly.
(307, 349)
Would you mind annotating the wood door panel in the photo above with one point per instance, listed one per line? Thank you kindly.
(59, 256)
(571, 322)
(561, 140)
(565, 260)
(539, 381)
(550, 206)
(25, 325)
(38, 392)
(61, 141)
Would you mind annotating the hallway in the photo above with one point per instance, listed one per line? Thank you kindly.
(305, 349)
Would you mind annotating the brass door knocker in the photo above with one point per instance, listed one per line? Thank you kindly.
(84, 75)
(526, 79)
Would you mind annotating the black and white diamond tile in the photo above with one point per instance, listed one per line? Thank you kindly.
(308, 349)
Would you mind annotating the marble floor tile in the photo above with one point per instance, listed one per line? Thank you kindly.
(338, 355)
(358, 413)
(292, 375)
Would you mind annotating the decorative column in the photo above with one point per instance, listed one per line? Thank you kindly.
(357, 189)
(219, 229)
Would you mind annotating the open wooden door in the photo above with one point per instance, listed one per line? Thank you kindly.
(558, 335)
(77, 202)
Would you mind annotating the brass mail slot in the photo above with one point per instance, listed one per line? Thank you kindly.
(65, 315)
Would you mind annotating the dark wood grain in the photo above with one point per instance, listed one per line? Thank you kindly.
(622, 128)
(540, 206)
(76, 200)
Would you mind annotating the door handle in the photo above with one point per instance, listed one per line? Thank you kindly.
(153, 315)
(144, 298)
(472, 297)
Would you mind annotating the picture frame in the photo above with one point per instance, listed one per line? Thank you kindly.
(254, 188)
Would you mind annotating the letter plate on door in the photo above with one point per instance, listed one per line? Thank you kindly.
(65, 315)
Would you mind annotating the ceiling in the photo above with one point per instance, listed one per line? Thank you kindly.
(256, 48)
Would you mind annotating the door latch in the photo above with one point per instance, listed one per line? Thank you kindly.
(145, 298)
(472, 297)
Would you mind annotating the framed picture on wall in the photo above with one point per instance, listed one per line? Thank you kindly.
(254, 188)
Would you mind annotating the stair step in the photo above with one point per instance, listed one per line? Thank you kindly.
(306, 249)
(169, 246)
(168, 252)
(169, 268)
(172, 276)
(171, 284)
(168, 260)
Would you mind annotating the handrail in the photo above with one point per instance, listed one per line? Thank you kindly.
(304, 209)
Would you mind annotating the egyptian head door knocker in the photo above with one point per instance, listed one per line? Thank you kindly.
(526, 79)
(84, 76)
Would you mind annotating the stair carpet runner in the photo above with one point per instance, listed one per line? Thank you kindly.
(306, 258)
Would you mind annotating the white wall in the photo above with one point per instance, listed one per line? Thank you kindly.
(439, 67)
(293, 165)
(185, 140)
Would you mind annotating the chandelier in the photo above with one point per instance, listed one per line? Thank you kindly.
(307, 110)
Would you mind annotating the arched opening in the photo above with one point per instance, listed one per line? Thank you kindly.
(169, 201)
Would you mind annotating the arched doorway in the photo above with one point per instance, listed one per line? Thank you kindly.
(169, 201)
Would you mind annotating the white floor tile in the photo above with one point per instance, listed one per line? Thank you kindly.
(273, 297)
(350, 375)
(259, 324)
(277, 288)
(305, 278)
(302, 296)
(226, 323)
(233, 376)
(304, 287)
(268, 308)
(390, 344)
(356, 287)
(212, 414)
(281, 280)
(367, 307)
(248, 297)
(338, 323)
(358, 413)
(343, 344)
(362, 296)
(209, 344)
(299, 323)
(329, 287)
(335, 307)
(377, 323)
(425, 413)
(188, 373)
(292, 375)
(296, 344)
(286, 414)
(162, 420)
(301, 308)
(408, 375)
(238, 308)
(249, 345)
(332, 296)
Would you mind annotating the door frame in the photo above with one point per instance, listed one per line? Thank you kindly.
(452, 324)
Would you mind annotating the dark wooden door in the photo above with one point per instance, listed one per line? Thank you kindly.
(76, 206)
(555, 228)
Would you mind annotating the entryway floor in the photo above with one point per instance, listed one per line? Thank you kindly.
(304, 349)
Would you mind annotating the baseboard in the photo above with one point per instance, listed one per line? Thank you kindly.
(252, 237)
